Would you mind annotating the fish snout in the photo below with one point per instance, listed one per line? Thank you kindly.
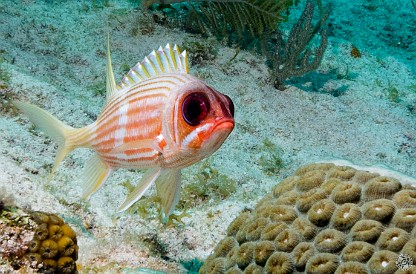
(217, 132)
(223, 123)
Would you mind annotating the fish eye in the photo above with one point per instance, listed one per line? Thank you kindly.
(230, 105)
(195, 108)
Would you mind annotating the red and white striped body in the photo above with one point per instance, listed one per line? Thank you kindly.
(159, 118)
(135, 113)
(148, 111)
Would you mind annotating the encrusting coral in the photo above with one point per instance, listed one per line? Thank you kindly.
(323, 219)
(33, 241)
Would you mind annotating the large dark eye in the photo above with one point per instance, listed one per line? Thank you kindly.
(230, 105)
(195, 108)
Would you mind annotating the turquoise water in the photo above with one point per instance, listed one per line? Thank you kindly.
(358, 105)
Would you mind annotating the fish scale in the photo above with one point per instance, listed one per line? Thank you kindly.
(134, 113)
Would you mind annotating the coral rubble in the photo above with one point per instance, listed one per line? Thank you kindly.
(34, 241)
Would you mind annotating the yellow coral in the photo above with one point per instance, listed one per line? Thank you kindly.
(48, 249)
(66, 265)
(51, 246)
(68, 231)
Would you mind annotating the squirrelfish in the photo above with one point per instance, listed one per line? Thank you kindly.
(158, 118)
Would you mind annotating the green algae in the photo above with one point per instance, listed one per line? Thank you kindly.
(208, 183)
(270, 160)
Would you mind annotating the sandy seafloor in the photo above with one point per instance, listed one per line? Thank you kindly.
(54, 53)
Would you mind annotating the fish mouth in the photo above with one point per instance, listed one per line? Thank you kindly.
(220, 130)
(224, 124)
(216, 136)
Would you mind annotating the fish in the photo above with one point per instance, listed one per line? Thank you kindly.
(159, 118)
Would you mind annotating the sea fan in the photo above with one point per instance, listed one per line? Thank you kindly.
(255, 18)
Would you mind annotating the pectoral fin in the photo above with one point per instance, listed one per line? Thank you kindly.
(147, 180)
(168, 186)
(96, 173)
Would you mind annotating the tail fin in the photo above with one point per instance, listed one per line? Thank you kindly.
(61, 133)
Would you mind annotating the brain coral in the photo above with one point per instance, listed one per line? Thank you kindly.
(324, 219)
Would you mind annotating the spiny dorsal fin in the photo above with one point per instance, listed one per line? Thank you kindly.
(167, 60)
(110, 81)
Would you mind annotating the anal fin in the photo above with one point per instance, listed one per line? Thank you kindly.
(96, 173)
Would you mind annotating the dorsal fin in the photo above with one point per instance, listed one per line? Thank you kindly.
(111, 86)
(167, 60)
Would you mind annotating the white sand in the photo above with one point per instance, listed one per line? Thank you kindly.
(58, 53)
